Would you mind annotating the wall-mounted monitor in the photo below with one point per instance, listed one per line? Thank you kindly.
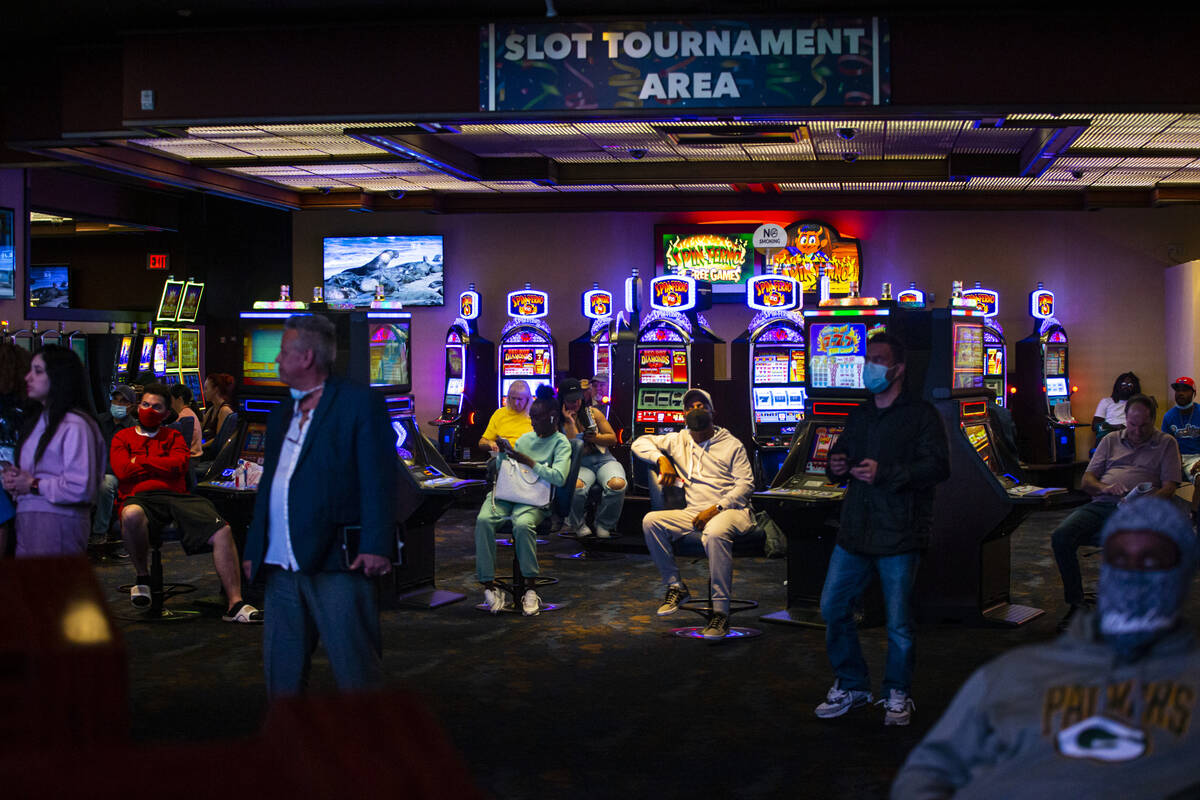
(189, 306)
(407, 268)
(722, 255)
(8, 255)
(169, 303)
(49, 286)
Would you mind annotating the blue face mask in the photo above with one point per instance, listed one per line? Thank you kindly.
(118, 412)
(875, 378)
(1185, 407)
(300, 394)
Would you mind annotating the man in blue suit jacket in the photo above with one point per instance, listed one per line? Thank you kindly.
(330, 466)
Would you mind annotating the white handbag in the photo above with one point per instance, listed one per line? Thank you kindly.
(517, 483)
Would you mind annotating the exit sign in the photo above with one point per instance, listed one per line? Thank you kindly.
(158, 261)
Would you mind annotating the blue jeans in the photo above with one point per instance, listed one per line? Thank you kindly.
(846, 580)
(1081, 528)
(598, 468)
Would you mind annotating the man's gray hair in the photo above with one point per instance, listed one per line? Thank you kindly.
(317, 334)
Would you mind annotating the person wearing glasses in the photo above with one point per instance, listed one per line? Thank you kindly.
(325, 519)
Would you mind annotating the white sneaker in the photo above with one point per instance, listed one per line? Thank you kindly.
(604, 533)
(494, 599)
(531, 604)
(897, 708)
(583, 531)
(838, 701)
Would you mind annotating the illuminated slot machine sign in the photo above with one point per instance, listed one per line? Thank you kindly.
(124, 352)
(598, 306)
(455, 381)
(837, 354)
(994, 357)
(146, 357)
(526, 349)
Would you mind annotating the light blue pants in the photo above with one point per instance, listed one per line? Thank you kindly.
(661, 528)
(105, 495)
(525, 520)
(340, 609)
(600, 467)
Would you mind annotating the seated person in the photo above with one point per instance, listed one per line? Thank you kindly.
(181, 404)
(1090, 714)
(150, 462)
(121, 414)
(1182, 423)
(1139, 454)
(711, 465)
(511, 421)
(586, 422)
(1110, 411)
(218, 390)
(548, 453)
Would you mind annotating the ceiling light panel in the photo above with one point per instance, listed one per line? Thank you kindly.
(1066, 179)
(935, 186)
(801, 151)
(607, 130)
(1126, 177)
(277, 171)
(872, 186)
(535, 130)
(1183, 176)
(314, 182)
(704, 187)
(1086, 163)
(192, 148)
(991, 140)
(920, 139)
(1177, 138)
(721, 152)
(643, 187)
(998, 184)
(516, 186)
(814, 186)
(868, 138)
(579, 188)
(599, 157)
(222, 131)
(1156, 163)
(387, 185)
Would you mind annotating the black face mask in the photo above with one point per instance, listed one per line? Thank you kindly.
(699, 419)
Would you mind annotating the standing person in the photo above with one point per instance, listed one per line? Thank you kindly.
(1106, 710)
(150, 461)
(1110, 411)
(218, 391)
(59, 459)
(14, 366)
(548, 453)
(181, 404)
(893, 452)
(585, 422)
(511, 421)
(324, 520)
(712, 466)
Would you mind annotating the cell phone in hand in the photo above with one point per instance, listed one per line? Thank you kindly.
(503, 444)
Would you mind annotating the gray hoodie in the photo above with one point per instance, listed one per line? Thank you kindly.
(714, 473)
(1063, 720)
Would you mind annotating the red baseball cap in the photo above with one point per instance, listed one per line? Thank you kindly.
(1184, 381)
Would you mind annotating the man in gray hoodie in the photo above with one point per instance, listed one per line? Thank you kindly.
(1106, 710)
(711, 466)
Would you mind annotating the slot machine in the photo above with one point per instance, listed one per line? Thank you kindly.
(182, 343)
(381, 356)
(54, 336)
(1041, 405)
(995, 354)
(770, 354)
(467, 400)
(590, 353)
(674, 352)
(526, 350)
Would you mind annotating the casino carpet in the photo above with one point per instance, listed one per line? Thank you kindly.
(597, 699)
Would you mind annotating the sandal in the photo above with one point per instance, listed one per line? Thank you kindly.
(244, 613)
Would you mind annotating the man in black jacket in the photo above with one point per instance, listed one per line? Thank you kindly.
(893, 452)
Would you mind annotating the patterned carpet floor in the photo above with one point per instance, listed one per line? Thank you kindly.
(597, 699)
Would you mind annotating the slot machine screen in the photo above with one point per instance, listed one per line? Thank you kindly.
(192, 381)
(389, 343)
(1056, 361)
(1056, 387)
(660, 404)
(837, 353)
(170, 341)
(79, 345)
(530, 363)
(170, 379)
(662, 366)
(601, 358)
(994, 361)
(146, 357)
(254, 443)
(123, 354)
(968, 356)
(189, 306)
(260, 347)
(534, 383)
(454, 361)
(980, 438)
(168, 304)
(189, 349)
(823, 438)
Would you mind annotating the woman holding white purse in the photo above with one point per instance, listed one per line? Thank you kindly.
(538, 462)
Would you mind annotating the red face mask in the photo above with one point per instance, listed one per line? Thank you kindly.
(150, 418)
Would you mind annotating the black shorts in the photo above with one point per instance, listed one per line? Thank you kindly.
(195, 517)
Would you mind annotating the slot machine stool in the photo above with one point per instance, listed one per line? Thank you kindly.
(690, 545)
(516, 585)
(160, 592)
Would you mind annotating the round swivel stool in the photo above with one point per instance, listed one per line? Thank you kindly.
(705, 609)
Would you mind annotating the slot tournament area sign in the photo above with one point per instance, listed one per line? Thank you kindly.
(759, 62)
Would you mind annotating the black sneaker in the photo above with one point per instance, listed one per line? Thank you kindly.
(675, 597)
(718, 626)
(1072, 612)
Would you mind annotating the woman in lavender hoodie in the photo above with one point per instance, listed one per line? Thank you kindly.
(60, 458)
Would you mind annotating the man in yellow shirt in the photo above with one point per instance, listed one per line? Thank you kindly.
(510, 421)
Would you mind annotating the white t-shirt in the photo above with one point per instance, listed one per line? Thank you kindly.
(1111, 411)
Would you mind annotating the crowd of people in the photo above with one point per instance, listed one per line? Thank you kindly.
(69, 475)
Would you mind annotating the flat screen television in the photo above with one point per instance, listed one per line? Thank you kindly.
(390, 364)
(8, 254)
(49, 286)
(169, 303)
(409, 268)
(260, 347)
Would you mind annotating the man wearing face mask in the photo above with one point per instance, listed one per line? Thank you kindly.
(893, 452)
(1135, 460)
(150, 461)
(711, 466)
(1106, 710)
(121, 414)
(1183, 423)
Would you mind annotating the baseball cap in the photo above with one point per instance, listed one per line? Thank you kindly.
(1184, 380)
(125, 391)
(569, 389)
(692, 395)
